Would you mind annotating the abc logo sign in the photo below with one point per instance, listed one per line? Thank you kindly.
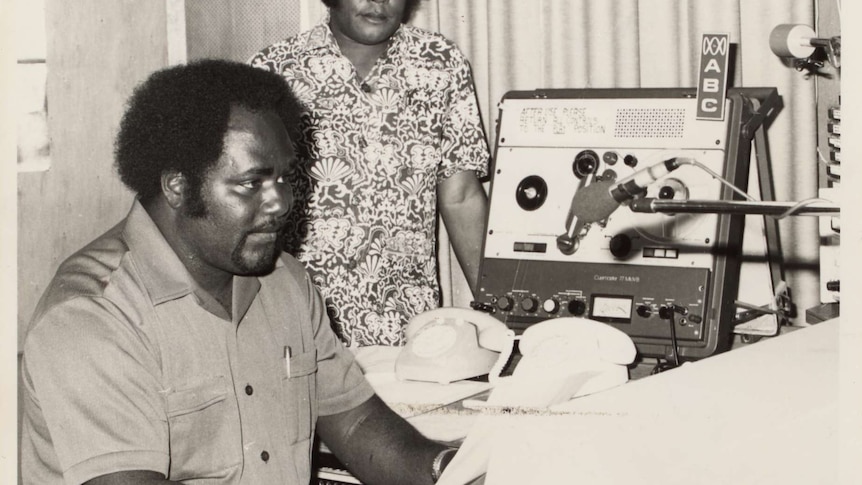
(712, 78)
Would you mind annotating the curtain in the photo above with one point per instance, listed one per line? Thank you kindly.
(526, 45)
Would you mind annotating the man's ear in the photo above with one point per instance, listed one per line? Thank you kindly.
(174, 187)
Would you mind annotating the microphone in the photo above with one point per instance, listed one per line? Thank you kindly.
(597, 201)
(600, 199)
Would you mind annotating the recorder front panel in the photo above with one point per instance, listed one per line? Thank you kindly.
(561, 241)
(624, 296)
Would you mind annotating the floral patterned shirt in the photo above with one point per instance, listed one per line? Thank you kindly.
(371, 154)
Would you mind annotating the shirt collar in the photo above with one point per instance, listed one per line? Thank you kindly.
(166, 278)
(321, 37)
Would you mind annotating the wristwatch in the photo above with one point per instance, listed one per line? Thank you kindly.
(437, 464)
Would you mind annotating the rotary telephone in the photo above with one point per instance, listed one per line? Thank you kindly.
(451, 344)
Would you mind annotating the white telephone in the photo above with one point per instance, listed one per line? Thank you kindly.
(565, 358)
(562, 358)
(450, 344)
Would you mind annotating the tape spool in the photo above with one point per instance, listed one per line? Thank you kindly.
(792, 40)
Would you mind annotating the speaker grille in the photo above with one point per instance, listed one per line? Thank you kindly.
(649, 123)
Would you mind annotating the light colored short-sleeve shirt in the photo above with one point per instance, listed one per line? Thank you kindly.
(128, 365)
(372, 152)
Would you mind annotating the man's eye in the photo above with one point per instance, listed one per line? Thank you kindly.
(250, 184)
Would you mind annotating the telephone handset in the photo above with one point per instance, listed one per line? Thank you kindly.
(563, 358)
(581, 338)
(450, 344)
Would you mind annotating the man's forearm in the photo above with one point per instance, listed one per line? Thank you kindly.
(131, 477)
(378, 446)
(464, 217)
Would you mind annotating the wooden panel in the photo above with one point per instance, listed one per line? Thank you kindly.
(98, 50)
(237, 30)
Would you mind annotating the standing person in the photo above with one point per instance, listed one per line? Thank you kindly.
(182, 345)
(392, 134)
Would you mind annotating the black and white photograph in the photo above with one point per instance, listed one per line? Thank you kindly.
(453, 242)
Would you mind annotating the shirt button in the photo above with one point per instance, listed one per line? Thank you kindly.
(264, 455)
(249, 390)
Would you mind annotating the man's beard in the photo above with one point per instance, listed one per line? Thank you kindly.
(259, 263)
(195, 206)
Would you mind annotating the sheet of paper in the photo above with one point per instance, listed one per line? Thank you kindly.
(472, 458)
(411, 398)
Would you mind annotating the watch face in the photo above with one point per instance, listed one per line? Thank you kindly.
(434, 340)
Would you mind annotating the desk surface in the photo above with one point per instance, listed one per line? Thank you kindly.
(763, 414)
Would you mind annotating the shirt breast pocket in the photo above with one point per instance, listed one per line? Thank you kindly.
(300, 390)
(204, 432)
(423, 110)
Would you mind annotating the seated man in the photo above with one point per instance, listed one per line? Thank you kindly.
(181, 345)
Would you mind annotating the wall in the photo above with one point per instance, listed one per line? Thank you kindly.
(98, 50)
(237, 30)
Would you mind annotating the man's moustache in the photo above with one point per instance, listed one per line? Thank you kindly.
(275, 225)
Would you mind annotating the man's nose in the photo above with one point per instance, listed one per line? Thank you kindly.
(278, 199)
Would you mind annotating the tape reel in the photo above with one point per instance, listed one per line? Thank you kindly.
(534, 187)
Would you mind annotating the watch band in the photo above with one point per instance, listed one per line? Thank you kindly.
(437, 464)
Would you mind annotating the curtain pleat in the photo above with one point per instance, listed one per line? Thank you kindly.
(525, 45)
(663, 55)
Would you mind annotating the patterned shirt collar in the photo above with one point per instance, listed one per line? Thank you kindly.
(320, 37)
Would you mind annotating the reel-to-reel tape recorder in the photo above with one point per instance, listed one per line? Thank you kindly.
(546, 257)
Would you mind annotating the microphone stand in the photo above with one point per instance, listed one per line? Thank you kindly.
(768, 208)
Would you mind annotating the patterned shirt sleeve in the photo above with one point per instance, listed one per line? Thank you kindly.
(464, 144)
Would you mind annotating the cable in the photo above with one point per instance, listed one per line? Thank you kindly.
(691, 161)
(789, 212)
(776, 307)
(800, 205)
(667, 312)
(761, 309)
(673, 345)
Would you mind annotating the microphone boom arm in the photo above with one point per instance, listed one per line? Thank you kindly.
(768, 208)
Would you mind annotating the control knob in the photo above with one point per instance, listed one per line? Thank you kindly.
(577, 307)
(621, 246)
(505, 303)
(529, 304)
(644, 311)
(551, 306)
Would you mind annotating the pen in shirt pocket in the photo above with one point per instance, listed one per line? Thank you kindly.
(287, 359)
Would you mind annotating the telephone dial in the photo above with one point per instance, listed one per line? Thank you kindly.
(451, 344)
(561, 357)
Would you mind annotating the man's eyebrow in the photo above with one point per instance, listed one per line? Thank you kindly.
(259, 171)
